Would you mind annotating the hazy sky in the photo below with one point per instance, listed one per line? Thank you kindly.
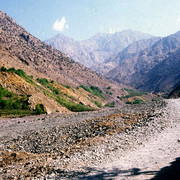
(81, 19)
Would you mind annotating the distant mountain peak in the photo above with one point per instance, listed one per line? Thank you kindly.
(98, 48)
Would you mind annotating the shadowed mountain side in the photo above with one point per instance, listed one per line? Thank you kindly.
(123, 55)
(134, 69)
(162, 78)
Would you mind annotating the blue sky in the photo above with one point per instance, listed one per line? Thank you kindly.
(81, 19)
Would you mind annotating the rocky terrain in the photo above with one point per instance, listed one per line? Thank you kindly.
(98, 48)
(137, 71)
(127, 53)
(20, 50)
(36, 57)
(77, 145)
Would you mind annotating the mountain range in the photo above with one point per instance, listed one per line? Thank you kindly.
(133, 58)
(48, 76)
(151, 69)
(126, 53)
(97, 49)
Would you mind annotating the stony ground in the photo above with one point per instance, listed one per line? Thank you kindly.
(115, 143)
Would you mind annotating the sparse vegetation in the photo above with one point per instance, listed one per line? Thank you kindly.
(93, 90)
(73, 106)
(137, 101)
(155, 99)
(133, 93)
(66, 86)
(110, 104)
(43, 81)
(165, 96)
(98, 104)
(108, 92)
(20, 73)
(40, 109)
(12, 104)
(16, 103)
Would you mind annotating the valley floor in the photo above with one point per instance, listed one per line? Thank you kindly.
(134, 142)
(157, 158)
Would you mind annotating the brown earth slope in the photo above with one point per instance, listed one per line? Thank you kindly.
(34, 55)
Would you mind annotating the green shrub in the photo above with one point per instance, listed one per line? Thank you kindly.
(56, 91)
(17, 104)
(109, 87)
(66, 86)
(11, 70)
(3, 69)
(40, 109)
(93, 90)
(25, 106)
(20, 73)
(30, 77)
(110, 104)
(129, 102)
(73, 106)
(43, 81)
(96, 90)
(10, 101)
(98, 104)
(53, 89)
(86, 88)
(133, 93)
(137, 101)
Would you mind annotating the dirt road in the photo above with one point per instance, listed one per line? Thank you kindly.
(148, 159)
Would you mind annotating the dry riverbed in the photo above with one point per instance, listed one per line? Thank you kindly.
(133, 142)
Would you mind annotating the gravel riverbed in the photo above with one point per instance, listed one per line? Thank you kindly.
(116, 143)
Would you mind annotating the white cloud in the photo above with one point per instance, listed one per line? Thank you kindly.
(60, 25)
(115, 29)
(111, 31)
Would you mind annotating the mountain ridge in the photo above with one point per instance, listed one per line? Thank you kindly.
(97, 48)
(133, 70)
(126, 53)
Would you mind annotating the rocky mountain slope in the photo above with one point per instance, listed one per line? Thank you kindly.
(20, 50)
(164, 77)
(96, 49)
(126, 53)
(43, 58)
(134, 71)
